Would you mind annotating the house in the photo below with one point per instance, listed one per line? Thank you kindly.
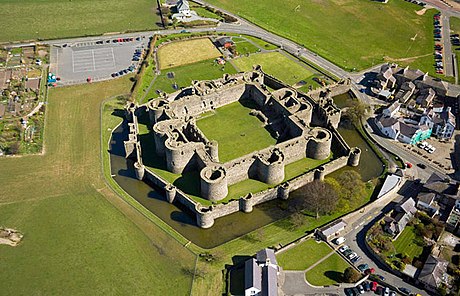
(426, 201)
(434, 273)
(452, 222)
(385, 78)
(261, 274)
(400, 216)
(389, 126)
(425, 97)
(392, 110)
(225, 42)
(444, 124)
(412, 134)
(405, 92)
(183, 7)
(331, 230)
(398, 129)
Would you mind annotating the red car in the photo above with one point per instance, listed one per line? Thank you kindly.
(374, 286)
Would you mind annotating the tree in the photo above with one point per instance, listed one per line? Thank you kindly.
(317, 196)
(351, 185)
(357, 111)
(350, 275)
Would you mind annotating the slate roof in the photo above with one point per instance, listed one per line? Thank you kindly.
(433, 271)
(387, 121)
(408, 206)
(426, 197)
(252, 275)
(407, 130)
(183, 5)
(332, 228)
(265, 254)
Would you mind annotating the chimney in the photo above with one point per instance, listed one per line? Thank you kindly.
(425, 76)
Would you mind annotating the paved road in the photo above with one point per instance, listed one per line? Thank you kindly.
(447, 54)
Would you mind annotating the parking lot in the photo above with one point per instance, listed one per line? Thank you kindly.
(97, 60)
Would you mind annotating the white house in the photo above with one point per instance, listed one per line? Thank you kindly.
(444, 124)
(392, 110)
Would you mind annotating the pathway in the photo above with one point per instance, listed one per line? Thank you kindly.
(448, 60)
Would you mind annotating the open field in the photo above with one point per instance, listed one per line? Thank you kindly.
(76, 240)
(328, 272)
(51, 19)
(236, 131)
(276, 64)
(406, 243)
(183, 76)
(178, 53)
(350, 33)
(303, 255)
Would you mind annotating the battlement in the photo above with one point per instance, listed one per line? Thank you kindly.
(284, 112)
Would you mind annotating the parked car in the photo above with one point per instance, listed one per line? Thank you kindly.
(404, 290)
(381, 277)
(386, 291)
(347, 252)
(343, 248)
(339, 240)
(363, 267)
(374, 286)
(361, 289)
(356, 259)
(392, 293)
(352, 255)
(366, 286)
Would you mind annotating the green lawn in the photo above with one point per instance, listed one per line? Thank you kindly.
(235, 130)
(406, 243)
(303, 255)
(328, 272)
(183, 76)
(243, 46)
(80, 238)
(51, 19)
(350, 33)
(276, 64)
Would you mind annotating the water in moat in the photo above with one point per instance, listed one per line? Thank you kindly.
(228, 227)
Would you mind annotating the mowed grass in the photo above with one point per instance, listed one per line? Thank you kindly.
(79, 237)
(184, 75)
(455, 27)
(303, 255)
(328, 272)
(276, 64)
(51, 19)
(350, 33)
(180, 53)
(407, 243)
(236, 131)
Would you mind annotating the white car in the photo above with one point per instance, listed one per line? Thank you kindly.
(361, 289)
(352, 255)
(343, 248)
(339, 240)
(431, 150)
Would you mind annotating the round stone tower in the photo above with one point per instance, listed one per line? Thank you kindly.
(170, 191)
(204, 218)
(320, 173)
(178, 155)
(246, 203)
(129, 111)
(213, 183)
(319, 144)
(155, 110)
(283, 191)
(271, 167)
(353, 158)
(139, 170)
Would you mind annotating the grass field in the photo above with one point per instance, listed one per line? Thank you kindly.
(350, 33)
(406, 243)
(243, 46)
(237, 132)
(328, 272)
(51, 19)
(183, 76)
(76, 239)
(276, 64)
(303, 255)
(179, 53)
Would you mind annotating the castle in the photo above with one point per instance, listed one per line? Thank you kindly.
(288, 115)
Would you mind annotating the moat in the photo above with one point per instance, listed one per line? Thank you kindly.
(233, 225)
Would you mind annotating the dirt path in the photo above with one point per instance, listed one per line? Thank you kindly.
(408, 59)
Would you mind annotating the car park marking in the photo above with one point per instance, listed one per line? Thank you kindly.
(93, 60)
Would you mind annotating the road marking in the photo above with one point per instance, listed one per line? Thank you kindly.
(94, 62)
(376, 212)
(368, 218)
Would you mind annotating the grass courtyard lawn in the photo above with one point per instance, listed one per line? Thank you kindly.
(183, 76)
(276, 64)
(237, 132)
(51, 19)
(350, 33)
(303, 255)
(243, 46)
(179, 53)
(328, 272)
(80, 238)
(407, 243)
